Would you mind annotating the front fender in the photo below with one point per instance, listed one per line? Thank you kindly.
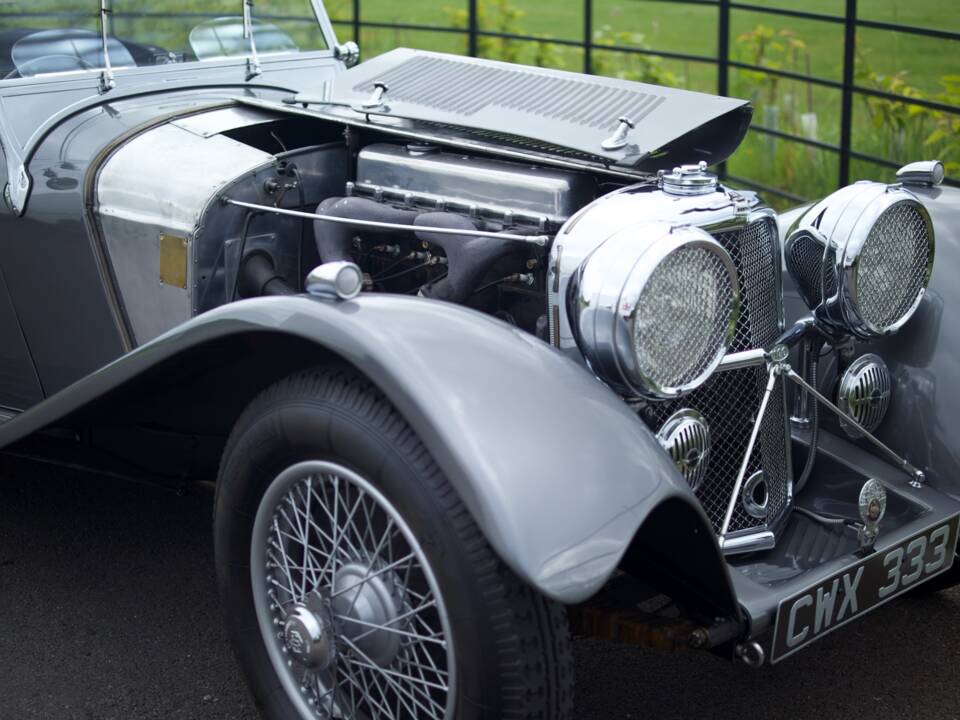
(555, 469)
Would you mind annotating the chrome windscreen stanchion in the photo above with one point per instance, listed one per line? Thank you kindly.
(107, 80)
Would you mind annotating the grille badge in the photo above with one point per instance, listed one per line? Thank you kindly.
(863, 393)
(686, 438)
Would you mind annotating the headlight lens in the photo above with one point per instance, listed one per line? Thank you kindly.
(654, 309)
(682, 317)
(862, 258)
(893, 268)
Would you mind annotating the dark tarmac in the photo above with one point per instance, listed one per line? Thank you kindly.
(108, 609)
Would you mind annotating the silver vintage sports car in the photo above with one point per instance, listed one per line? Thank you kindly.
(474, 352)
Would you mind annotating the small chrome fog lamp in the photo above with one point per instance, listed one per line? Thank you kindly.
(654, 307)
(686, 438)
(863, 393)
(862, 258)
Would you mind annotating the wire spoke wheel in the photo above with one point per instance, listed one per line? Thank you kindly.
(346, 600)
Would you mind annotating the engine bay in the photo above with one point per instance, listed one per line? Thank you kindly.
(487, 221)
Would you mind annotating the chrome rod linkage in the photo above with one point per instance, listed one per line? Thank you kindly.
(774, 371)
(539, 240)
(917, 476)
(778, 365)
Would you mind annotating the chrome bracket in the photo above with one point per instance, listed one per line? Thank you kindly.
(774, 370)
(376, 97)
(917, 476)
(618, 140)
(253, 61)
(348, 53)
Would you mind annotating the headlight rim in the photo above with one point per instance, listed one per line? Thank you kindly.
(841, 225)
(893, 197)
(637, 282)
(623, 263)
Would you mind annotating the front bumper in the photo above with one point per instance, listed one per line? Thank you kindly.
(808, 552)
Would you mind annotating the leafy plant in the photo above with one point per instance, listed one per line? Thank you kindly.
(498, 16)
(641, 67)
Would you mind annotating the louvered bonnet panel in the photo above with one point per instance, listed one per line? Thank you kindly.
(569, 110)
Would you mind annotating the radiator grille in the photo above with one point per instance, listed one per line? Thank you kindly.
(730, 400)
(814, 271)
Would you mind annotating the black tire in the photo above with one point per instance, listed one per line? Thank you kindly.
(512, 647)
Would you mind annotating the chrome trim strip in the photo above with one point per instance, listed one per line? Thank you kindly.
(539, 240)
(763, 540)
(743, 359)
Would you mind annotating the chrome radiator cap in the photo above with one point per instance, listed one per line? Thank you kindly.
(688, 180)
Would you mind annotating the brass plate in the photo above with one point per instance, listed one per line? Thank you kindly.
(173, 260)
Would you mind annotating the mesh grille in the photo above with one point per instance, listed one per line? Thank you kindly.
(729, 401)
(809, 270)
(682, 316)
(753, 252)
(893, 265)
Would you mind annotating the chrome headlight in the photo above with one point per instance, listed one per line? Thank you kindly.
(862, 258)
(654, 308)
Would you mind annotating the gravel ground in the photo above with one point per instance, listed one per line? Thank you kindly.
(108, 609)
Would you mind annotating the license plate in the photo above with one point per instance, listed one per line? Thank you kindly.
(858, 589)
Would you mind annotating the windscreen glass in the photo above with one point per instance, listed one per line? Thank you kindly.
(39, 37)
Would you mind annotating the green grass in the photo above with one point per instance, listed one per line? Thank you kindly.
(898, 62)
(890, 131)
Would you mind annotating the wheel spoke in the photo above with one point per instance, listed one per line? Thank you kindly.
(340, 552)
(391, 678)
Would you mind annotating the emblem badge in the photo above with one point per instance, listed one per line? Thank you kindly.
(873, 505)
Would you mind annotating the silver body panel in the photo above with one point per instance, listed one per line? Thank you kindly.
(162, 181)
(217, 121)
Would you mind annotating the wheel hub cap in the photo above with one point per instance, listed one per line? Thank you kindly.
(307, 636)
(363, 601)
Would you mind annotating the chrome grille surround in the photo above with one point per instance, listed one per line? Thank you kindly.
(730, 398)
